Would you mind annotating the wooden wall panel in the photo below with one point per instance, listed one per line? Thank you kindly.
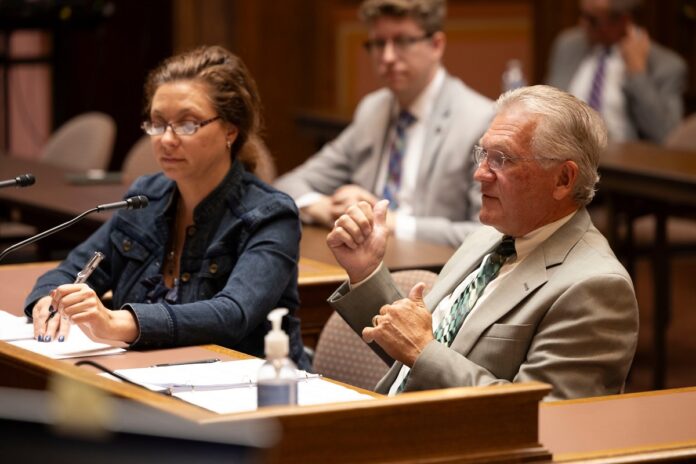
(307, 54)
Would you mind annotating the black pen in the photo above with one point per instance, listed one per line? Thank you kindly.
(183, 363)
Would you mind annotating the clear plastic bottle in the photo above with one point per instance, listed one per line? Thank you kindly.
(513, 76)
(277, 379)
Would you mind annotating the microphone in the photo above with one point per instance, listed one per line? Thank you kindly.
(25, 180)
(136, 202)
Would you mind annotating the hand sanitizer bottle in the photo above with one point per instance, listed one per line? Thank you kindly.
(277, 378)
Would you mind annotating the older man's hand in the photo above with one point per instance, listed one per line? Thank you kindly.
(359, 239)
(403, 328)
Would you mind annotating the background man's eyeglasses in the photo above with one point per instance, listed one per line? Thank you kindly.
(179, 128)
(400, 43)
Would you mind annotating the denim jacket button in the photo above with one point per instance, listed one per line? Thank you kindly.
(127, 244)
(185, 277)
(213, 268)
(191, 231)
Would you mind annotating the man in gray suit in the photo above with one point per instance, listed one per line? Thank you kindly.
(608, 61)
(410, 141)
(557, 308)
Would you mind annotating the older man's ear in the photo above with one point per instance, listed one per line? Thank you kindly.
(565, 180)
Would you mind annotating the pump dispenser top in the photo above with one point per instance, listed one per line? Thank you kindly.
(277, 342)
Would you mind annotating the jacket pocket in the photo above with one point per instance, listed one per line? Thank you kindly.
(502, 349)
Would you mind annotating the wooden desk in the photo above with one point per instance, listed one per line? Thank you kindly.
(640, 427)
(663, 183)
(53, 199)
(497, 423)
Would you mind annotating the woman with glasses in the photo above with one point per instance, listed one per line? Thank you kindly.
(216, 249)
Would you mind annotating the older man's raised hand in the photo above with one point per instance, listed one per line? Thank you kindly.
(359, 239)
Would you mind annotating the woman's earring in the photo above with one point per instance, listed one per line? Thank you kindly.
(229, 145)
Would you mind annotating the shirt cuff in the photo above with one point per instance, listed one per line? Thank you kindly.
(357, 284)
(405, 227)
(308, 199)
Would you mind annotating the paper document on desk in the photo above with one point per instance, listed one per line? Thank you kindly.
(15, 327)
(76, 345)
(227, 387)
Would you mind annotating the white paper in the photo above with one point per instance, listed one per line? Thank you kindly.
(228, 387)
(76, 345)
(15, 327)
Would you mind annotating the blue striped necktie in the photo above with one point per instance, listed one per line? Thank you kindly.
(465, 302)
(396, 156)
(595, 99)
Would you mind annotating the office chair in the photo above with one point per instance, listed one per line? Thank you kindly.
(342, 355)
(139, 160)
(82, 143)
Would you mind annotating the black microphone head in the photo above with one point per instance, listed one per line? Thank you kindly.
(137, 202)
(25, 180)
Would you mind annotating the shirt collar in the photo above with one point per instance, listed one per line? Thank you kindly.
(524, 245)
(422, 106)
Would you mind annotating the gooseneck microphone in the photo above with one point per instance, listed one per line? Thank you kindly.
(136, 202)
(25, 180)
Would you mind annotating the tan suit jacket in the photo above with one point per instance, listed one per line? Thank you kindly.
(566, 315)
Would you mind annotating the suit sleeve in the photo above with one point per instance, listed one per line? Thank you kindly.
(333, 165)
(582, 347)
(359, 305)
(655, 97)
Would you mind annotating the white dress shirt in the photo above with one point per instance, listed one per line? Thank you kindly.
(613, 107)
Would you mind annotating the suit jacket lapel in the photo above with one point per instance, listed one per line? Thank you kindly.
(383, 116)
(522, 281)
(436, 127)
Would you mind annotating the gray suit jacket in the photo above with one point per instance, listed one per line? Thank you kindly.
(448, 200)
(566, 315)
(654, 100)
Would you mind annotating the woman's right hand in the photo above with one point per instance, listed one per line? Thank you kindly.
(45, 329)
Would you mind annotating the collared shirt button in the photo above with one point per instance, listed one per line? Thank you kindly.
(213, 268)
(185, 277)
(127, 244)
(191, 231)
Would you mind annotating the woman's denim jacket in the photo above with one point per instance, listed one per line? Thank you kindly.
(239, 262)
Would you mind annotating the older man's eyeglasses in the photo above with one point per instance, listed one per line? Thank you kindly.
(497, 159)
(179, 128)
(401, 43)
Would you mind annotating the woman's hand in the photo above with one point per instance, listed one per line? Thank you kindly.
(81, 305)
(46, 327)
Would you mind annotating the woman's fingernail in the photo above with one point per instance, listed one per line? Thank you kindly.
(61, 338)
(39, 338)
(47, 338)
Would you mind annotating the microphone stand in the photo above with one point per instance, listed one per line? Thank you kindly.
(46, 233)
(136, 202)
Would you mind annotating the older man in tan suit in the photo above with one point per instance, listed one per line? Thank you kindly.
(537, 294)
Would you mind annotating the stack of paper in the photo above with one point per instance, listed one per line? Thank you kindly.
(14, 327)
(227, 387)
(17, 331)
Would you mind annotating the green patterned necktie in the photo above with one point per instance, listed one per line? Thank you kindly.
(490, 266)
